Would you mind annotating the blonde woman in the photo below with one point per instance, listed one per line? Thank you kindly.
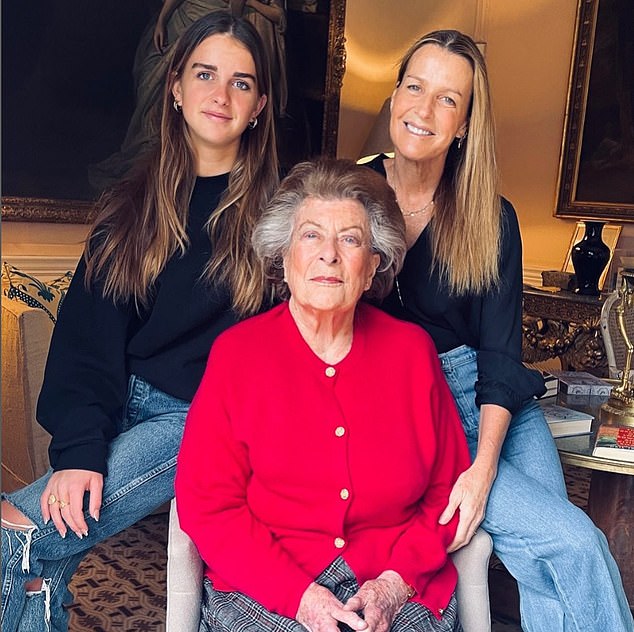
(462, 282)
(167, 268)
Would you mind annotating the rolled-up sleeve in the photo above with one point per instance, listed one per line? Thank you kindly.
(502, 378)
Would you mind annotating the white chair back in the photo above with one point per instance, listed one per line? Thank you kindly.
(615, 348)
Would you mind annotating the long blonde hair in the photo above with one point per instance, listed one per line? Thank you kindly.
(142, 221)
(467, 225)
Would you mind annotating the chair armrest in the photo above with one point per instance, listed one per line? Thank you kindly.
(472, 592)
(184, 579)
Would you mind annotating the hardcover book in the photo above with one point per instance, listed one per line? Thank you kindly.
(581, 383)
(552, 384)
(615, 442)
(563, 421)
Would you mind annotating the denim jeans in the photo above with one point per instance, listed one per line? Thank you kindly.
(567, 578)
(141, 466)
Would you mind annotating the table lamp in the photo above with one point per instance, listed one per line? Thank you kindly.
(619, 409)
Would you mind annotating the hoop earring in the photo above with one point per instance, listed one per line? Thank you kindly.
(177, 106)
(252, 124)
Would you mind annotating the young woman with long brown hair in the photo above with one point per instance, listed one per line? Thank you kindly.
(167, 267)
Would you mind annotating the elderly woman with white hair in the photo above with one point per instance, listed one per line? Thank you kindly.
(323, 442)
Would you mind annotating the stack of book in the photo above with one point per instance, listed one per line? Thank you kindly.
(581, 383)
(552, 384)
(564, 421)
(615, 442)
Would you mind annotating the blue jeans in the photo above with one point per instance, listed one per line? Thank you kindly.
(567, 577)
(141, 466)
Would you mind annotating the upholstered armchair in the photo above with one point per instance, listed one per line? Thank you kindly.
(26, 334)
(29, 311)
(185, 580)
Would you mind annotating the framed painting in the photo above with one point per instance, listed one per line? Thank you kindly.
(69, 94)
(596, 172)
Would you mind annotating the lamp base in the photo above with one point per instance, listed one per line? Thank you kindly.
(618, 410)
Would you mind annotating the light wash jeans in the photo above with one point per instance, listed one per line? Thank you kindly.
(567, 578)
(141, 466)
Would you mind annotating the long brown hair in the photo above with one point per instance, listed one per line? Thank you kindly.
(466, 229)
(142, 221)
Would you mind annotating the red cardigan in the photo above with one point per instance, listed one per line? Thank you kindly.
(287, 462)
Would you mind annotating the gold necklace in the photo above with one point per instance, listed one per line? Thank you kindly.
(425, 209)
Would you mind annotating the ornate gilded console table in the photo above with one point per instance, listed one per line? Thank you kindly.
(564, 325)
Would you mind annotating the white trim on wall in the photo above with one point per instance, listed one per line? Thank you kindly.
(44, 267)
(533, 276)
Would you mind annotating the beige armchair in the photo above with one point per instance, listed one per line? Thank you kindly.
(185, 581)
(26, 335)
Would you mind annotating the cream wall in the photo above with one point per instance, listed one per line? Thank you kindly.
(528, 50)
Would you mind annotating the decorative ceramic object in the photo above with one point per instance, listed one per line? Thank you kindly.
(589, 258)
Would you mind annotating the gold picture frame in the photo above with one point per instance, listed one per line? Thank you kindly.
(594, 176)
(609, 235)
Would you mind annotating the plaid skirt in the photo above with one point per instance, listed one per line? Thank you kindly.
(235, 612)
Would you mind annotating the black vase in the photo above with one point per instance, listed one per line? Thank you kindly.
(589, 258)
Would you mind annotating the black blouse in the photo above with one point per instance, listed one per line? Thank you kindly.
(490, 323)
(97, 345)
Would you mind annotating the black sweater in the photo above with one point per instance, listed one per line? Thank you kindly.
(97, 345)
(490, 323)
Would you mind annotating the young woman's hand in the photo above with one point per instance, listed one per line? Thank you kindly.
(63, 498)
(320, 611)
(380, 600)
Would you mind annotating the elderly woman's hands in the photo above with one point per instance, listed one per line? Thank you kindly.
(380, 600)
(320, 611)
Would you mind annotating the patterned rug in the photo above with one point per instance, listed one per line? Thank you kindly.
(120, 585)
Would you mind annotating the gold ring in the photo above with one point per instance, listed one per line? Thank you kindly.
(51, 499)
(62, 504)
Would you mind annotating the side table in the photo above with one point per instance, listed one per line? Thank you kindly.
(564, 325)
(611, 495)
